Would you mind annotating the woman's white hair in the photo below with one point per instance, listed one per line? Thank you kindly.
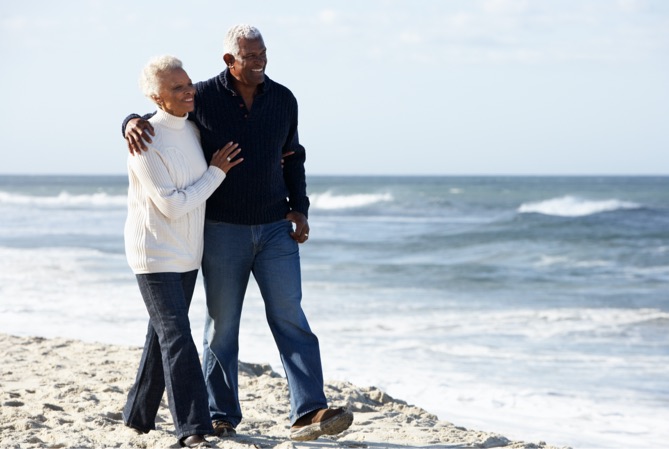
(231, 42)
(149, 79)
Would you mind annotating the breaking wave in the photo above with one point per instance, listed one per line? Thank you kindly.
(328, 201)
(569, 206)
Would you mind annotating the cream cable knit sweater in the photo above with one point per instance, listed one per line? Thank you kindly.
(168, 187)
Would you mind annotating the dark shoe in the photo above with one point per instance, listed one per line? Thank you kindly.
(328, 421)
(223, 429)
(194, 441)
(138, 431)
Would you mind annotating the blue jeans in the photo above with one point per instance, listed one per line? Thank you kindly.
(231, 254)
(169, 360)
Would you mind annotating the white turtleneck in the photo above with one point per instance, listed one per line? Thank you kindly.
(168, 187)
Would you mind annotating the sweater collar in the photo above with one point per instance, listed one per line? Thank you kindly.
(226, 79)
(169, 120)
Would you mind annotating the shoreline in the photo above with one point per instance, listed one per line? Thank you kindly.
(63, 393)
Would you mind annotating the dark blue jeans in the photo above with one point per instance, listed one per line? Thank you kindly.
(170, 360)
(231, 254)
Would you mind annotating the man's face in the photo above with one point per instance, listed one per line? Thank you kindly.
(249, 66)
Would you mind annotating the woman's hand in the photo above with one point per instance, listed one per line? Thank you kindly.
(225, 157)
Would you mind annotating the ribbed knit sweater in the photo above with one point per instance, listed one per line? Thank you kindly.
(258, 190)
(168, 187)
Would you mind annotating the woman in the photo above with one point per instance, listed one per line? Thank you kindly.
(168, 186)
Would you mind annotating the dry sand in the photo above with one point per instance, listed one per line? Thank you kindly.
(57, 393)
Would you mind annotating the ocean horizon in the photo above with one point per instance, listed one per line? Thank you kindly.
(532, 306)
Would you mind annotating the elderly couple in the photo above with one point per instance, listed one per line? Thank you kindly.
(244, 124)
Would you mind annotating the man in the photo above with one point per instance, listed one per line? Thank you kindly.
(249, 229)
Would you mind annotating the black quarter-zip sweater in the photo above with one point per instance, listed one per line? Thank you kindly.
(258, 190)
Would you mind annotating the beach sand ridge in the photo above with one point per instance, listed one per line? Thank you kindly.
(58, 393)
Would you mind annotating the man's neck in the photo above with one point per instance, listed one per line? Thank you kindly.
(245, 91)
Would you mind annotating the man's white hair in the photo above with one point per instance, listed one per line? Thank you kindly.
(149, 79)
(231, 42)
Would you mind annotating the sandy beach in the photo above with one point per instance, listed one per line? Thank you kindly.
(58, 393)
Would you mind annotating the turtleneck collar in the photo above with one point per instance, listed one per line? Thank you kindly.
(169, 120)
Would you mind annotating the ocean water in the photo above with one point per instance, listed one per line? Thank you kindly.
(536, 307)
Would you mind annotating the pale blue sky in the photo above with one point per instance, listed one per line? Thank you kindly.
(410, 87)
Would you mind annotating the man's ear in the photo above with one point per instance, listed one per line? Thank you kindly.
(229, 59)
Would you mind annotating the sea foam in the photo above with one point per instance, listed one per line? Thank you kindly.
(64, 199)
(570, 206)
(329, 201)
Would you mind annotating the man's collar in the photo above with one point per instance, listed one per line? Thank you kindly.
(227, 80)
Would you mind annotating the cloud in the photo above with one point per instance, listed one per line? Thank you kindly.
(521, 32)
(631, 6)
(20, 33)
(14, 23)
(410, 37)
(505, 6)
(328, 16)
(19, 24)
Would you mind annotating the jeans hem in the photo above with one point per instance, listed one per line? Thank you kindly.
(194, 431)
(141, 429)
(292, 423)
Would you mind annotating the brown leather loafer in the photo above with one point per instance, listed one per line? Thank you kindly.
(327, 421)
(223, 429)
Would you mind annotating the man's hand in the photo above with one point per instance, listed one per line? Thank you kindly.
(285, 155)
(301, 232)
(137, 131)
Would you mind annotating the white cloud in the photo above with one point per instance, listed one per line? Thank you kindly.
(631, 6)
(410, 38)
(14, 23)
(328, 16)
(21, 24)
(505, 6)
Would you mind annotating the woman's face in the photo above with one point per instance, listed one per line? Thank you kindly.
(176, 94)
